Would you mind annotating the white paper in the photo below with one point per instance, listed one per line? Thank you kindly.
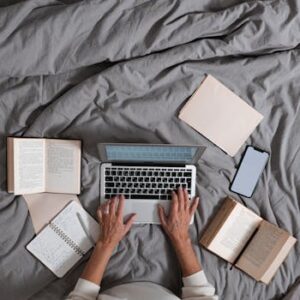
(63, 166)
(53, 251)
(29, 172)
(235, 233)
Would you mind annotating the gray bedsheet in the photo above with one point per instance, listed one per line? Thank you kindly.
(119, 71)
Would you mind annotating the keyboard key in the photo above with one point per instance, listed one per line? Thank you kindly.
(151, 197)
(109, 184)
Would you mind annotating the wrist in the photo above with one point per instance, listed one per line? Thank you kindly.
(182, 244)
(104, 247)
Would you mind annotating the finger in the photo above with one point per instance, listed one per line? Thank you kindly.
(194, 205)
(186, 198)
(99, 214)
(129, 222)
(105, 209)
(112, 206)
(174, 204)
(180, 198)
(162, 215)
(121, 205)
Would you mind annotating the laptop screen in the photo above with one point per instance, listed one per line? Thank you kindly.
(150, 153)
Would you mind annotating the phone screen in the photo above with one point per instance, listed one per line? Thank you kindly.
(250, 169)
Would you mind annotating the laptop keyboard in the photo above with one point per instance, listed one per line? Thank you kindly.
(145, 182)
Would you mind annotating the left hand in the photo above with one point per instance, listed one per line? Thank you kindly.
(110, 216)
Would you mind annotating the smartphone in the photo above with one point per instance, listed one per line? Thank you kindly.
(249, 171)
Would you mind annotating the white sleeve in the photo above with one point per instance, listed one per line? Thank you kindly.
(84, 290)
(196, 287)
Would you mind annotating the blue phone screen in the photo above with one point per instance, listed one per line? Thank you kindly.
(246, 178)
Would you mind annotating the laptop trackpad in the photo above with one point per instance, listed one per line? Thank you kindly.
(146, 210)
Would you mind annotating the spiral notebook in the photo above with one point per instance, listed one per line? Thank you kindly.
(63, 242)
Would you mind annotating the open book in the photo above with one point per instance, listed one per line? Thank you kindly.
(244, 239)
(43, 165)
(64, 241)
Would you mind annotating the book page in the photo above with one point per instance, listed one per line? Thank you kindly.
(69, 223)
(53, 252)
(29, 171)
(262, 250)
(235, 232)
(63, 163)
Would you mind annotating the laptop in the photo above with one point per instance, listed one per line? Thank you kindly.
(146, 174)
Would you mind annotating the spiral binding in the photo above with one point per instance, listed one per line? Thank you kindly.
(66, 239)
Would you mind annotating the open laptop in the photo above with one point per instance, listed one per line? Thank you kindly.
(146, 174)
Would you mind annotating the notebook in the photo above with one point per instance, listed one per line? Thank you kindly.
(220, 115)
(44, 207)
(63, 242)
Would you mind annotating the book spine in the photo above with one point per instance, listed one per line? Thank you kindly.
(217, 222)
(67, 239)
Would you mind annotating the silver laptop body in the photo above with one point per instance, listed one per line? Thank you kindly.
(146, 174)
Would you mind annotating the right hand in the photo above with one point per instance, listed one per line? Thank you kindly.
(176, 224)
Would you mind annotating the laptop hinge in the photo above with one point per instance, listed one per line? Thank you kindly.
(150, 164)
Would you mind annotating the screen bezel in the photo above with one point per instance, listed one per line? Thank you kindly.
(103, 157)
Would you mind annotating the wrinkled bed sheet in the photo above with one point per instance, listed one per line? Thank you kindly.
(119, 71)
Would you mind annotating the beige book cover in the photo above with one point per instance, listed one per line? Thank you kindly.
(44, 207)
(220, 115)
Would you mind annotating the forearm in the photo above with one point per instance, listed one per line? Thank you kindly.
(187, 258)
(97, 263)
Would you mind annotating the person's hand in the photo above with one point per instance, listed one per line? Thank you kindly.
(112, 227)
(176, 225)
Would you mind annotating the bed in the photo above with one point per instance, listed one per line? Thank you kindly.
(120, 71)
